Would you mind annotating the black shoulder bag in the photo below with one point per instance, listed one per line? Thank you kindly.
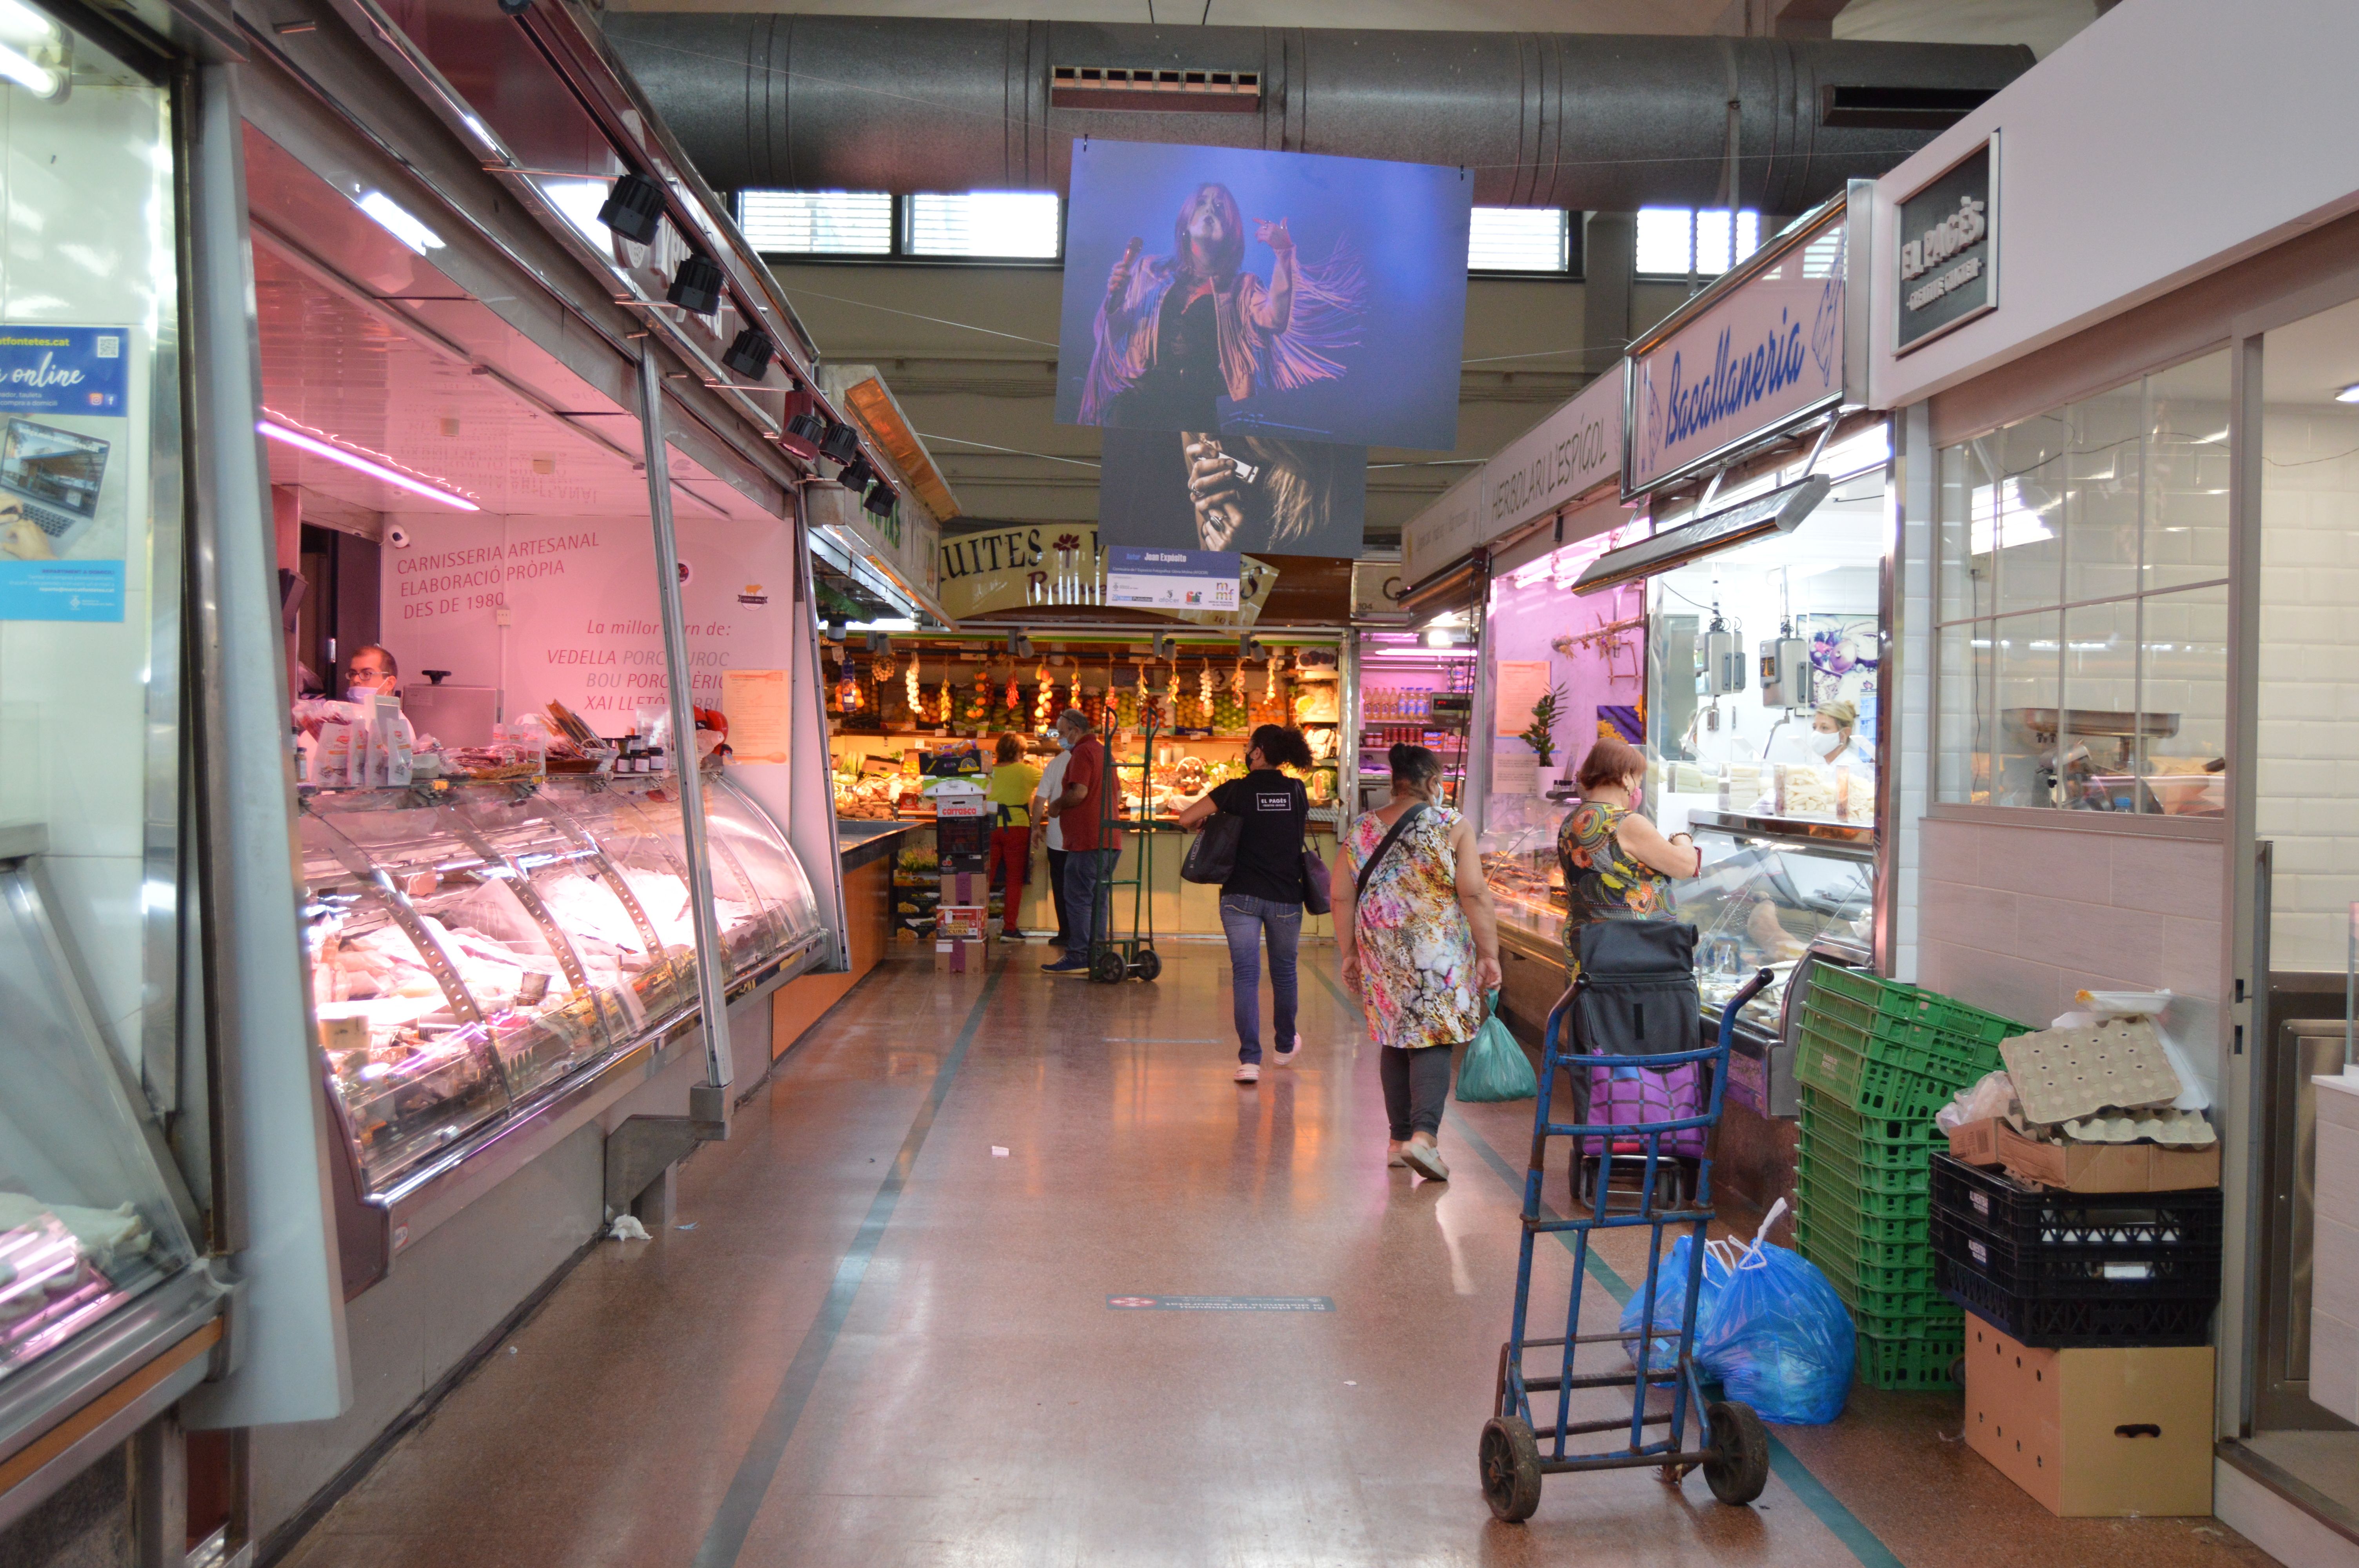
(1360, 883)
(1213, 857)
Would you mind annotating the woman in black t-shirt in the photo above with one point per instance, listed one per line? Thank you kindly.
(1263, 896)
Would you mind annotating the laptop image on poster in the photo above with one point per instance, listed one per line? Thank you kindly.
(54, 475)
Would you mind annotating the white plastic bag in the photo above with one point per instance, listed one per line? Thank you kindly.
(1991, 1095)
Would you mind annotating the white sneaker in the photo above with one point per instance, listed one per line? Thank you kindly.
(1286, 1058)
(1248, 1072)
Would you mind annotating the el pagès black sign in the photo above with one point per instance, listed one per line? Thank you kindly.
(1949, 251)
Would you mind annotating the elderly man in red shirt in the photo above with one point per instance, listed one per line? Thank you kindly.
(1089, 853)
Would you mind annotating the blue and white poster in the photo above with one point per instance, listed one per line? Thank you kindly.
(65, 418)
(1287, 297)
(1172, 579)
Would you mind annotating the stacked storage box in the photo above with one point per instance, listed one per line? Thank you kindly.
(2055, 1269)
(1875, 1060)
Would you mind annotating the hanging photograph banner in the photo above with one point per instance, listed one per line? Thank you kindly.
(1229, 292)
(1166, 490)
(1762, 351)
(1948, 254)
(65, 417)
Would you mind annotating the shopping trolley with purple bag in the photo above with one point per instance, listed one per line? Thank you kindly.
(1633, 1011)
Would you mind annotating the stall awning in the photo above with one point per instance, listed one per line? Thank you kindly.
(1778, 511)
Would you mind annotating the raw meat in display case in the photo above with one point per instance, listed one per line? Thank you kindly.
(475, 944)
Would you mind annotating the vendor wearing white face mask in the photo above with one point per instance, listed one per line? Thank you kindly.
(1833, 737)
(369, 673)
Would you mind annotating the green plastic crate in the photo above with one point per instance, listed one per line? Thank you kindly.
(1835, 1167)
(1831, 1214)
(1917, 1365)
(1880, 1037)
(1840, 1136)
(1833, 1188)
(1922, 1135)
(1871, 1088)
(1908, 1324)
(1908, 1004)
(1843, 1244)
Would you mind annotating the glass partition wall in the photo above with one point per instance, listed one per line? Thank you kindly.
(2083, 603)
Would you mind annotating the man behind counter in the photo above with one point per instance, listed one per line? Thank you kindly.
(370, 672)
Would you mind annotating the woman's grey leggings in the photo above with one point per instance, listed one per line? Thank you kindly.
(1416, 1083)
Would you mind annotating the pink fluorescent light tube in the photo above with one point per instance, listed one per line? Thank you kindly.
(359, 464)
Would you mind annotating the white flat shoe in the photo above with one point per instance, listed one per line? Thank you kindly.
(1426, 1161)
(1248, 1072)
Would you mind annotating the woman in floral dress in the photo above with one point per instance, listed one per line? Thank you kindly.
(1421, 946)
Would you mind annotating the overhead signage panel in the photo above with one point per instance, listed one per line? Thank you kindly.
(1758, 357)
(1946, 255)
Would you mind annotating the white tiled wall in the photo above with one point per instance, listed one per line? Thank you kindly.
(1912, 716)
(2018, 919)
(2306, 781)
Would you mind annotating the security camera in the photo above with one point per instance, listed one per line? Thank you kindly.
(397, 536)
(515, 7)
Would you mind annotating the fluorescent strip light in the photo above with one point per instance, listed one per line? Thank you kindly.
(19, 69)
(2349, 394)
(355, 461)
(396, 221)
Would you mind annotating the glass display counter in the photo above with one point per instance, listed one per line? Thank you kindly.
(1770, 889)
(473, 944)
(1520, 864)
(89, 1223)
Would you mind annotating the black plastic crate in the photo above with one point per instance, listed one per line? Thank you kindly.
(2024, 1214)
(2106, 1271)
(2066, 1321)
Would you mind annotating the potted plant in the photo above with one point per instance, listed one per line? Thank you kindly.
(1540, 734)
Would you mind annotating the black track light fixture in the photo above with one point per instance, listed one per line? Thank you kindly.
(882, 499)
(698, 286)
(750, 354)
(634, 209)
(803, 434)
(841, 444)
(857, 476)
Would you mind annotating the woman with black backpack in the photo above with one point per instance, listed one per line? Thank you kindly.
(1262, 898)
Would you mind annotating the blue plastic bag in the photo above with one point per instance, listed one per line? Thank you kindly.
(1671, 1299)
(1779, 1337)
(1495, 1067)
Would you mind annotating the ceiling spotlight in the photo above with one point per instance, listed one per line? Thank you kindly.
(840, 445)
(2349, 394)
(882, 499)
(634, 209)
(698, 286)
(857, 476)
(750, 354)
(803, 434)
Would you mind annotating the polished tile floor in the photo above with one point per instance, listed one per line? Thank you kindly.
(883, 1343)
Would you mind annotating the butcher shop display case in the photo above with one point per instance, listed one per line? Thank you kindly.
(473, 944)
(91, 1219)
(1521, 867)
(1770, 889)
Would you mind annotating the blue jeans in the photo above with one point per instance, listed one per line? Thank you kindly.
(1092, 923)
(1245, 920)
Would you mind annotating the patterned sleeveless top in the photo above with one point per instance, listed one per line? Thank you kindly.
(1604, 881)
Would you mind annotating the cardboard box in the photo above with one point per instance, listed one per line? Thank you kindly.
(959, 957)
(965, 887)
(1977, 1143)
(962, 922)
(2095, 1433)
(2107, 1167)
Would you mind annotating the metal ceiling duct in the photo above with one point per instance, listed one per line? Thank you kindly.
(1586, 121)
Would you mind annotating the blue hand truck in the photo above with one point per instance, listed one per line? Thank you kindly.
(1731, 1446)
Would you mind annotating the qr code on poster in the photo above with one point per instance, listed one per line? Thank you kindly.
(110, 346)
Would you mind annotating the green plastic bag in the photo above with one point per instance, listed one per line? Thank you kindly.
(1495, 1067)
